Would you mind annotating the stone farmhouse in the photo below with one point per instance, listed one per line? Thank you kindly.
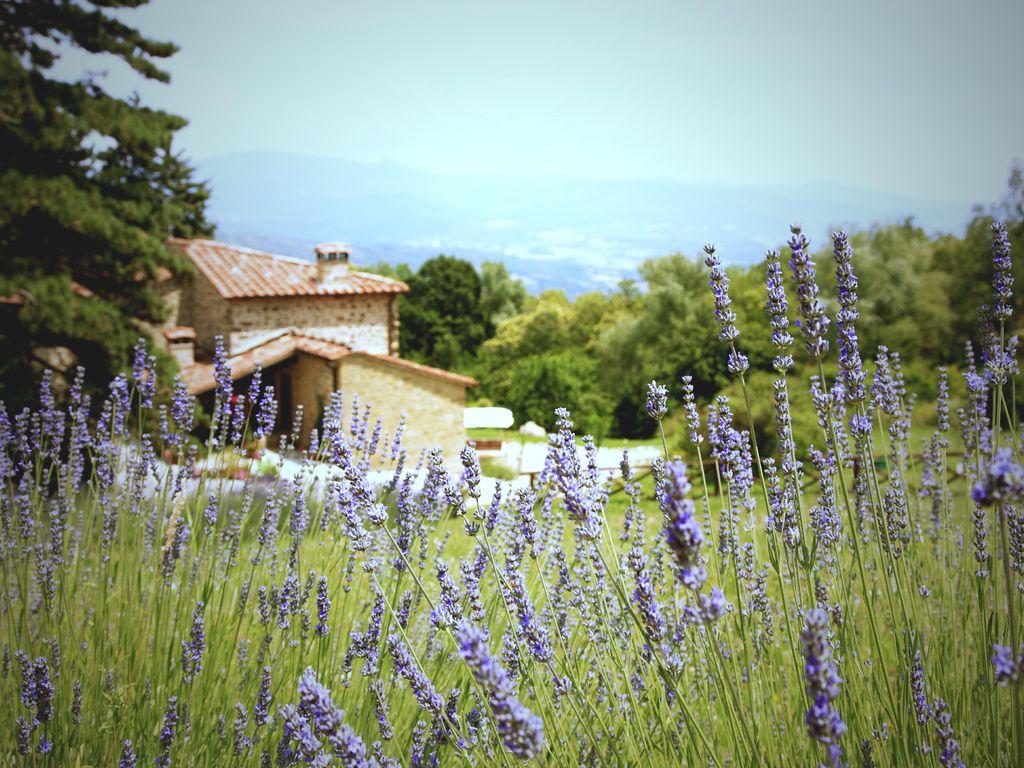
(315, 328)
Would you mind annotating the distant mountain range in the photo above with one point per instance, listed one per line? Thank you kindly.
(551, 231)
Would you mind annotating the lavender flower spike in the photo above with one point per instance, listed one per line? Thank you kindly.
(719, 282)
(814, 322)
(521, 730)
(850, 365)
(1002, 482)
(777, 308)
(657, 401)
(692, 415)
(682, 529)
(316, 704)
(1002, 274)
(824, 724)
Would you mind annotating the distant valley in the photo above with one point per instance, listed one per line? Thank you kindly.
(551, 231)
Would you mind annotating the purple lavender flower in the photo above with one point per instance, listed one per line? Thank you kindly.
(922, 709)
(328, 721)
(777, 308)
(644, 597)
(825, 519)
(406, 667)
(382, 711)
(144, 373)
(950, 755)
(261, 712)
(241, 741)
(365, 645)
(737, 363)
(449, 602)
(682, 529)
(192, 649)
(168, 732)
(690, 409)
(942, 406)
(710, 608)
(657, 401)
(850, 366)
(23, 736)
(1002, 481)
(521, 730)
(814, 322)
(266, 415)
(128, 757)
(471, 475)
(581, 489)
(1002, 272)
(1005, 666)
(824, 724)
(536, 635)
(719, 282)
(323, 606)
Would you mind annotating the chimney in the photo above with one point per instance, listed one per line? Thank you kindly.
(181, 343)
(332, 262)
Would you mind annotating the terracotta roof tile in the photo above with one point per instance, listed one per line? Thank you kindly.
(328, 350)
(199, 377)
(242, 273)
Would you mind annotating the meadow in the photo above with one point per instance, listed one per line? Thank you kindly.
(854, 598)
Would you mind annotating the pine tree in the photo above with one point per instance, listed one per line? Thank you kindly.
(90, 188)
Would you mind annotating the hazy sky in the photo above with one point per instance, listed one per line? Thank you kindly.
(915, 98)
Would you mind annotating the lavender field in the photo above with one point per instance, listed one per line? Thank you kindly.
(854, 598)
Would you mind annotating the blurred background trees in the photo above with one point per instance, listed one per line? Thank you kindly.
(595, 353)
(90, 188)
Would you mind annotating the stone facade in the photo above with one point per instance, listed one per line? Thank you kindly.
(360, 322)
(202, 308)
(364, 323)
(432, 406)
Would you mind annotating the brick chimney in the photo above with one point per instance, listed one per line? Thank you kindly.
(332, 262)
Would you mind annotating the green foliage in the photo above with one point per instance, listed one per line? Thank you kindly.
(540, 383)
(501, 295)
(442, 320)
(89, 190)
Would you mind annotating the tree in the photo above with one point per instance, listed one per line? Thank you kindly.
(501, 295)
(90, 189)
(541, 383)
(670, 333)
(442, 321)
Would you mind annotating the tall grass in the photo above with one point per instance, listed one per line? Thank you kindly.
(842, 606)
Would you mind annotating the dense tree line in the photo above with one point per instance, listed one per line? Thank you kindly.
(595, 353)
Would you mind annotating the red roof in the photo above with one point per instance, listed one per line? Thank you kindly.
(200, 377)
(242, 273)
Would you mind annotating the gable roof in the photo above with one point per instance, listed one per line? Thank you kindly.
(243, 273)
(200, 378)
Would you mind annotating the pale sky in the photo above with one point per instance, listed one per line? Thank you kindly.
(913, 98)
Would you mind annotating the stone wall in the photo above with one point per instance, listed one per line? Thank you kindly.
(361, 322)
(312, 384)
(170, 293)
(432, 406)
(202, 308)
